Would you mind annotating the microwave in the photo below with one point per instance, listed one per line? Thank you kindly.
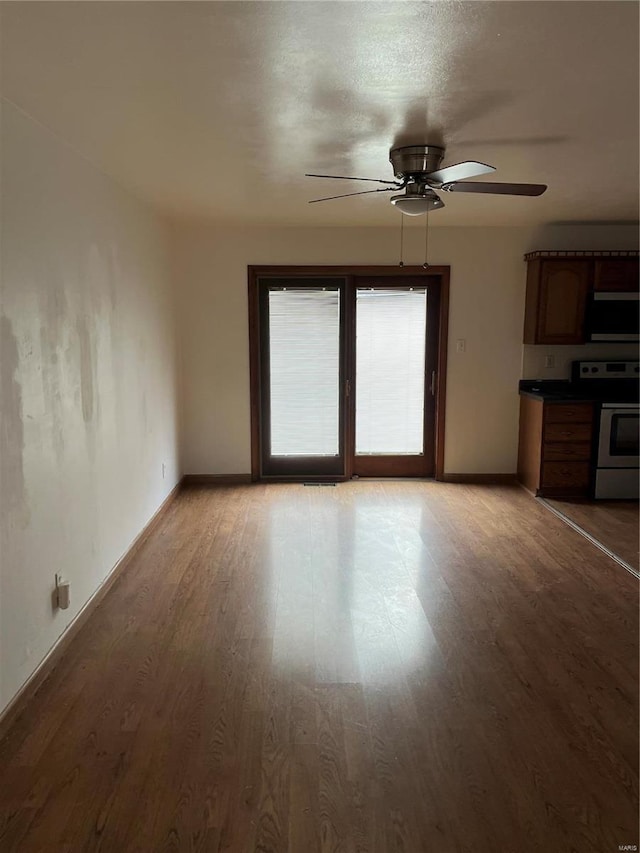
(613, 316)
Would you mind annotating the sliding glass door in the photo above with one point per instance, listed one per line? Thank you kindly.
(390, 370)
(302, 411)
(347, 376)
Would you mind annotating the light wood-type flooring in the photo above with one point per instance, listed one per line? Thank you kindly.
(613, 523)
(376, 666)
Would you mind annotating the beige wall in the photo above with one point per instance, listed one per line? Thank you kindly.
(487, 302)
(88, 382)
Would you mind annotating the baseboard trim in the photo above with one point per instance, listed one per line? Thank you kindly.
(482, 479)
(239, 479)
(215, 479)
(55, 654)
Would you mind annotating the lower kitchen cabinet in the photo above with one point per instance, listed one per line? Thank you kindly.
(555, 447)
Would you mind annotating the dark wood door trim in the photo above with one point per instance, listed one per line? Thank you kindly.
(254, 372)
(441, 383)
(353, 273)
(350, 365)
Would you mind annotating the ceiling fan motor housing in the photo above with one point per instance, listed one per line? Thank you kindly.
(414, 161)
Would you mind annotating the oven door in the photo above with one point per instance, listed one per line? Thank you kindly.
(619, 431)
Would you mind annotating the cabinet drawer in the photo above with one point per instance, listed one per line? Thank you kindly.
(579, 451)
(572, 475)
(567, 432)
(560, 413)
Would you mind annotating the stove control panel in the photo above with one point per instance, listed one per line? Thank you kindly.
(606, 370)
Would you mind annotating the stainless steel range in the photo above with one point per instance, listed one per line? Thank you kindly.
(614, 384)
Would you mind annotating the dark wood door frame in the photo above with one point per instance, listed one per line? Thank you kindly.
(353, 272)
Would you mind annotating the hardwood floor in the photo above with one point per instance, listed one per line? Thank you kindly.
(613, 523)
(371, 667)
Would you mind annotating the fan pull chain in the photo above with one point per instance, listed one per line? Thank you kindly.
(401, 237)
(426, 241)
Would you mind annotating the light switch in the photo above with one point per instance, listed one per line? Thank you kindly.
(461, 345)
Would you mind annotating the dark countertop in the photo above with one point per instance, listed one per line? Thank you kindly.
(555, 391)
(561, 391)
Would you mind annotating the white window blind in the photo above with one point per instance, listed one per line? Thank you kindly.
(304, 345)
(390, 353)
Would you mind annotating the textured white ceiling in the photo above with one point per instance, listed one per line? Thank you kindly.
(217, 109)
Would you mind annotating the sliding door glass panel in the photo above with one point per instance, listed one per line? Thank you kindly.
(304, 374)
(390, 371)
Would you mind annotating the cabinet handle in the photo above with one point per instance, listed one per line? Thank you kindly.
(567, 432)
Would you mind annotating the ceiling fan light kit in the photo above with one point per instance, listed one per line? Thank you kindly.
(418, 175)
(416, 200)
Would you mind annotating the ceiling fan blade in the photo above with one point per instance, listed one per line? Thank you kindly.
(364, 192)
(345, 178)
(460, 171)
(495, 189)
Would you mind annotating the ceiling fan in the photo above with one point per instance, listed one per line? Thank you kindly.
(418, 174)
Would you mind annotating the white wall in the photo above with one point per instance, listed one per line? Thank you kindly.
(88, 381)
(487, 303)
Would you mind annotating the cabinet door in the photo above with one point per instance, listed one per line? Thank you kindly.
(562, 298)
(616, 274)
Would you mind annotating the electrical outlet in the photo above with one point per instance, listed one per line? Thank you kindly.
(164, 470)
(549, 361)
(461, 345)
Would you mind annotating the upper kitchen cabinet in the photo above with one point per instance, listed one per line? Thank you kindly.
(616, 274)
(558, 288)
(556, 301)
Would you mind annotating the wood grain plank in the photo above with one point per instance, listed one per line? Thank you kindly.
(382, 666)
